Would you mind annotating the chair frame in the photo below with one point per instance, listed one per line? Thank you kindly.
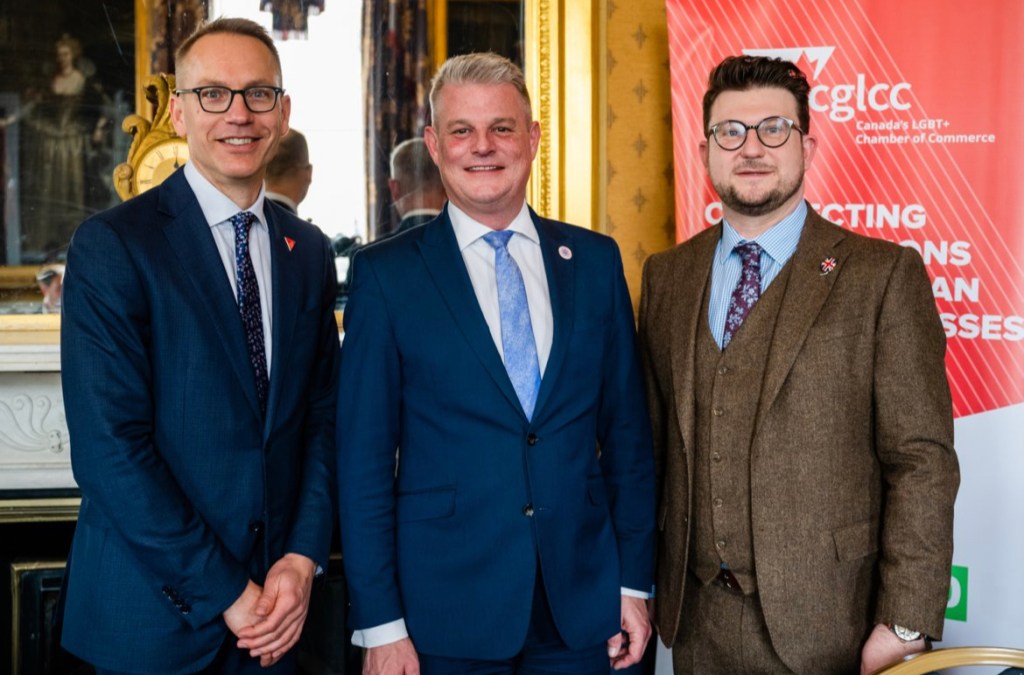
(927, 662)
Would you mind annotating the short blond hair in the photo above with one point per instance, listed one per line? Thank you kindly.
(479, 68)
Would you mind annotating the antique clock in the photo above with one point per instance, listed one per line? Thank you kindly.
(156, 150)
(158, 162)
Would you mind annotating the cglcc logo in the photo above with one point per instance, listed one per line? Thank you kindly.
(956, 606)
(842, 101)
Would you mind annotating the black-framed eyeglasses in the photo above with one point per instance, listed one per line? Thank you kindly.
(771, 131)
(214, 99)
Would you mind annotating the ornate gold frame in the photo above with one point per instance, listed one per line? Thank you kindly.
(567, 170)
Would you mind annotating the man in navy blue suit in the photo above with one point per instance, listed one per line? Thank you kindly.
(199, 352)
(497, 508)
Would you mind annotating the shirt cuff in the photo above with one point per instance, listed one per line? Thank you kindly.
(636, 594)
(381, 635)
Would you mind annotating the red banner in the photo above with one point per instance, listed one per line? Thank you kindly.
(918, 108)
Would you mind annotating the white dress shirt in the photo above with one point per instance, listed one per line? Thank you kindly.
(217, 209)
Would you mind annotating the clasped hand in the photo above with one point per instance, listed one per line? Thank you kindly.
(268, 621)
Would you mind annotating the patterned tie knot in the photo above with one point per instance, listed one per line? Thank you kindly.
(498, 239)
(242, 221)
(750, 254)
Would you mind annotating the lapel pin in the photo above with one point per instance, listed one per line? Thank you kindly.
(289, 242)
(827, 265)
(565, 252)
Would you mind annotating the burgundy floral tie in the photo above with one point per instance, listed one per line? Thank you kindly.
(747, 291)
(249, 304)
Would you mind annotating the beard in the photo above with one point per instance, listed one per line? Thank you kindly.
(762, 205)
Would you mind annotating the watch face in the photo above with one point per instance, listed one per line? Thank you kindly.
(906, 634)
(159, 162)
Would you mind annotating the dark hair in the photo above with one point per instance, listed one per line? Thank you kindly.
(292, 153)
(230, 26)
(740, 73)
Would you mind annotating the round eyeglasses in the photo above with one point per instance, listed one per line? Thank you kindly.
(259, 99)
(771, 131)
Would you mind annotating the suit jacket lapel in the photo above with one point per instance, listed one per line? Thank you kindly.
(441, 254)
(190, 238)
(690, 284)
(806, 292)
(286, 300)
(560, 272)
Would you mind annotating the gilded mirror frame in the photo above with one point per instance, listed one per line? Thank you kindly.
(567, 169)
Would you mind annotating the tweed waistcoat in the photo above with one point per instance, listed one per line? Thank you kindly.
(728, 389)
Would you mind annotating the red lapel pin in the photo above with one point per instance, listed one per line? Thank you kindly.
(827, 265)
(289, 242)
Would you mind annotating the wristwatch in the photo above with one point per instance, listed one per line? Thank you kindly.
(905, 634)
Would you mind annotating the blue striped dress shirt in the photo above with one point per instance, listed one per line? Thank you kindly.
(778, 243)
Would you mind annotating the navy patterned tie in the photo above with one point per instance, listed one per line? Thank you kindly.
(747, 291)
(249, 304)
(517, 342)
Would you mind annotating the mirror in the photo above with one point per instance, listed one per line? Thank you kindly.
(62, 101)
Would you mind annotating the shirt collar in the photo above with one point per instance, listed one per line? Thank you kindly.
(779, 241)
(216, 206)
(420, 212)
(283, 199)
(468, 230)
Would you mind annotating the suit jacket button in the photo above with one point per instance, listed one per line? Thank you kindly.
(531, 439)
(528, 510)
(256, 526)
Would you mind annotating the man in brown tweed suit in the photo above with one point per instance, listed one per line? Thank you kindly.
(802, 418)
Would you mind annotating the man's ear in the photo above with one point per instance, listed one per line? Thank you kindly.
(178, 115)
(430, 138)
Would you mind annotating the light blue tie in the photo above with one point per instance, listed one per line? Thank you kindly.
(517, 340)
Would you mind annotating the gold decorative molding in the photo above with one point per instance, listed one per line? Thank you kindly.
(43, 510)
(156, 148)
(30, 329)
(560, 55)
(537, 54)
(437, 20)
(142, 51)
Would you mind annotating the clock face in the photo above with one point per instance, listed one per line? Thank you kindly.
(159, 162)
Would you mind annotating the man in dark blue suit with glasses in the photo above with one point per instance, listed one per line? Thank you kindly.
(199, 352)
